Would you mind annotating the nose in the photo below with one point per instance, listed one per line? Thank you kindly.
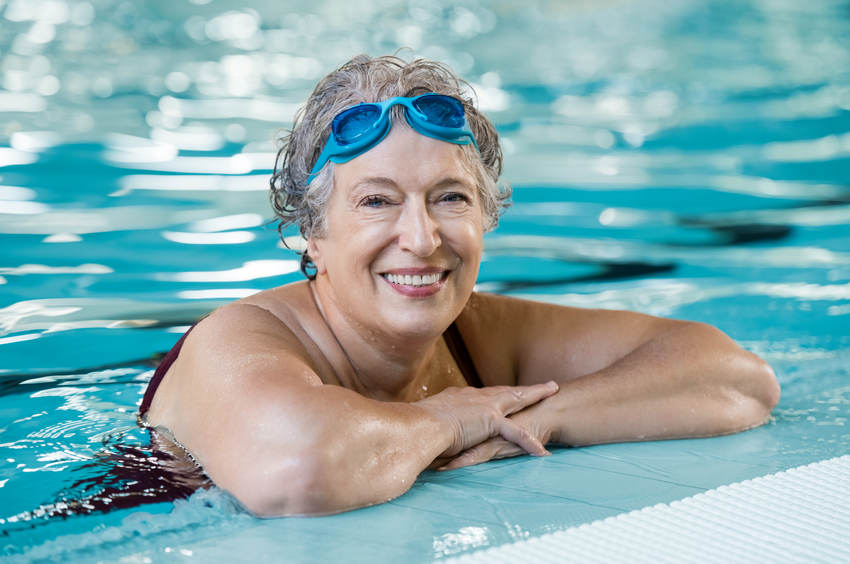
(418, 230)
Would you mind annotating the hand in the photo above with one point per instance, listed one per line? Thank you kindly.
(475, 415)
(530, 419)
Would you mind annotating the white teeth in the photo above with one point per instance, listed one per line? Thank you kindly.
(415, 280)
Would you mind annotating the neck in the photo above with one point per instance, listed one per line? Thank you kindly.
(376, 364)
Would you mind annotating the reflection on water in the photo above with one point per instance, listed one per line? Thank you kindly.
(118, 477)
(687, 159)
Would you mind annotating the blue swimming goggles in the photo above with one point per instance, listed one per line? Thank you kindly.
(357, 129)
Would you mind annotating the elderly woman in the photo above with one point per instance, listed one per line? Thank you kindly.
(336, 392)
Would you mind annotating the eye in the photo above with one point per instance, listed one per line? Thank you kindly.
(454, 197)
(374, 201)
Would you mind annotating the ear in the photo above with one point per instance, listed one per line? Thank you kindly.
(314, 250)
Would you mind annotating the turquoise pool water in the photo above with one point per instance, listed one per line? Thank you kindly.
(687, 159)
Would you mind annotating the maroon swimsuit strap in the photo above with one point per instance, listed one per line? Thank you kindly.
(454, 342)
(461, 355)
(159, 374)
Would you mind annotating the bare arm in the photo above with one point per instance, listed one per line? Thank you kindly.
(629, 377)
(246, 401)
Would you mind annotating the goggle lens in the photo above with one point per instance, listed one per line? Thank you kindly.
(354, 122)
(440, 110)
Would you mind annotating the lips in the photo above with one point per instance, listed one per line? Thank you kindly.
(416, 282)
(415, 279)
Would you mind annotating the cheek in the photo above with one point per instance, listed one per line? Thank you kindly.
(341, 252)
(472, 230)
(466, 238)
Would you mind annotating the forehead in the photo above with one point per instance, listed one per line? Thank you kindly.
(408, 159)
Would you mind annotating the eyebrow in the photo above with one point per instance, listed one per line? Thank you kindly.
(453, 181)
(380, 180)
(390, 183)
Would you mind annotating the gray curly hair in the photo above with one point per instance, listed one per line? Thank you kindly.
(367, 79)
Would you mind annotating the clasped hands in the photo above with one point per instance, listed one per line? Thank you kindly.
(490, 423)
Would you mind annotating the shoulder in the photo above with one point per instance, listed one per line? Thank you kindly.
(499, 314)
(489, 306)
(519, 340)
(505, 317)
(503, 323)
(236, 347)
(240, 370)
(241, 328)
(488, 325)
(283, 318)
(278, 327)
(290, 303)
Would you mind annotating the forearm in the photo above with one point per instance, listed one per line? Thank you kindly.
(379, 455)
(342, 450)
(691, 381)
(356, 452)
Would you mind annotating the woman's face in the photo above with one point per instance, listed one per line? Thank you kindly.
(404, 236)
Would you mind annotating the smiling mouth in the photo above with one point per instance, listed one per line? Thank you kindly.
(415, 280)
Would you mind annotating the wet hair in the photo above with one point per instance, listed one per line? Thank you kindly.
(367, 79)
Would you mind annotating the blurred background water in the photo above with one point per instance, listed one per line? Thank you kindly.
(688, 159)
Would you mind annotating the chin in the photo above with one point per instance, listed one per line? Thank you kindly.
(416, 326)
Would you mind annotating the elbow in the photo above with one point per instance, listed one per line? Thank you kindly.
(297, 485)
(766, 388)
(301, 487)
(757, 395)
(750, 385)
(317, 481)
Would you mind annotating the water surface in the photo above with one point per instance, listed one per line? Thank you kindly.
(686, 159)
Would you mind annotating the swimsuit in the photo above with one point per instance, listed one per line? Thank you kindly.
(454, 342)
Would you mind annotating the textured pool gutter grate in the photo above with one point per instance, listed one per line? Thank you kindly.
(801, 514)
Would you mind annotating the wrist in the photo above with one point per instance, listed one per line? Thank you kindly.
(547, 417)
(439, 425)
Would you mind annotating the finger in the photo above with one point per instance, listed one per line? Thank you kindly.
(439, 462)
(521, 437)
(471, 457)
(488, 450)
(518, 398)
